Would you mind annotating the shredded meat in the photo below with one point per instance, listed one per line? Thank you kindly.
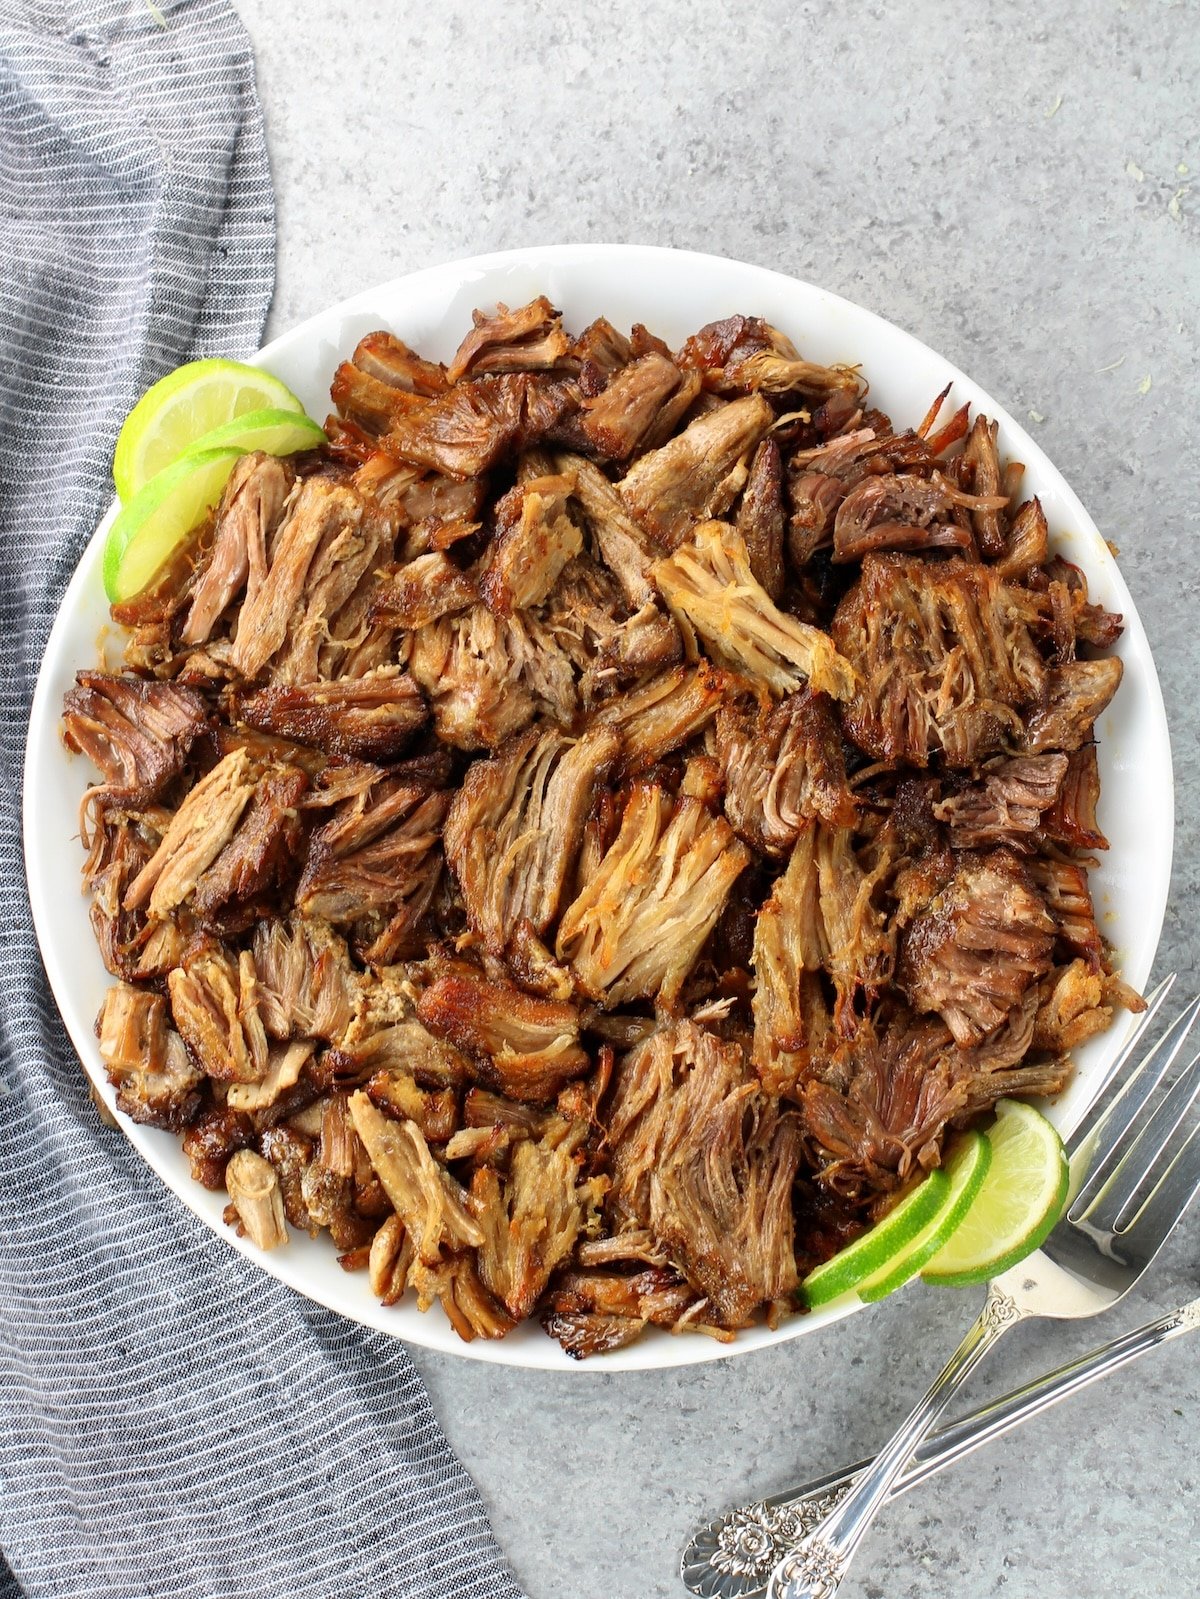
(372, 717)
(977, 947)
(713, 593)
(526, 1047)
(695, 476)
(583, 838)
(943, 658)
(783, 770)
(138, 733)
(705, 1160)
(515, 828)
(638, 925)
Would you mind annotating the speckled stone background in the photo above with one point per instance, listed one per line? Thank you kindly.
(1014, 184)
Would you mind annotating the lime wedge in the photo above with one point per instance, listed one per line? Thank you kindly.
(967, 1168)
(182, 407)
(276, 432)
(1021, 1198)
(159, 516)
(877, 1247)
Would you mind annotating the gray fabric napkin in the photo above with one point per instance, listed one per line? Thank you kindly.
(173, 1423)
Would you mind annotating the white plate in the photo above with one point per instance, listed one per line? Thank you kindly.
(674, 293)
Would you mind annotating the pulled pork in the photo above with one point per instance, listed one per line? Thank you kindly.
(587, 838)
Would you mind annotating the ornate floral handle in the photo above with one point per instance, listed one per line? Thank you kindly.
(733, 1556)
(814, 1568)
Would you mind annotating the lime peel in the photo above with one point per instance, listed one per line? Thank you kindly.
(876, 1248)
(180, 408)
(966, 1170)
(1018, 1205)
(148, 530)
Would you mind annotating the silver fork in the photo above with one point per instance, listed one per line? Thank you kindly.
(1136, 1186)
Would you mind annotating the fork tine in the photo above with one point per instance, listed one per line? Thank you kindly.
(1140, 1164)
(1113, 1126)
(1097, 1111)
(1177, 1187)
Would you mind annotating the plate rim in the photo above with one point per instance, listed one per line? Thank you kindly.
(648, 1353)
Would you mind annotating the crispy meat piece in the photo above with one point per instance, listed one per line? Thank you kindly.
(711, 591)
(664, 714)
(246, 519)
(198, 832)
(981, 459)
(307, 987)
(978, 946)
(388, 359)
(706, 1161)
(214, 1000)
(156, 1083)
(1071, 820)
(620, 542)
(529, 339)
(435, 1110)
(215, 1135)
(1075, 695)
(535, 538)
(792, 1026)
(524, 1046)
(531, 1217)
(417, 593)
(378, 861)
(600, 351)
(514, 829)
(367, 402)
(488, 676)
(637, 926)
(696, 475)
(321, 528)
(760, 518)
(371, 718)
(136, 732)
(253, 1187)
(263, 856)
(385, 1035)
(1006, 806)
(591, 1312)
(427, 1199)
(617, 419)
(1028, 541)
(586, 618)
(469, 1308)
(1064, 887)
(1075, 1002)
(465, 431)
(783, 770)
(746, 352)
(903, 512)
(119, 846)
(943, 658)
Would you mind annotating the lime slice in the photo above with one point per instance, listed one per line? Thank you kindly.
(877, 1247)
(966, 1169)
(159, 516)
(276, 432)
(182, 407)
(1021, 1199)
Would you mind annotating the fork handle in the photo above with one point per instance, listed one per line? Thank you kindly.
(731, 1557)
(814, 1568)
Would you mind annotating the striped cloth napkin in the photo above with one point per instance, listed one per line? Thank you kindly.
(173, 1423)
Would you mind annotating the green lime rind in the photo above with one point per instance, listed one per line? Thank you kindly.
(275, 432)
(148, 530)
(966, 1170)
(189, 402)
(876, 1247)
(1017, 1207)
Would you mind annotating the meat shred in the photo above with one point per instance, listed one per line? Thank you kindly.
(588, 837)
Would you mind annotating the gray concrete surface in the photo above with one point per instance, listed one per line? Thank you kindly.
(1013, 184)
